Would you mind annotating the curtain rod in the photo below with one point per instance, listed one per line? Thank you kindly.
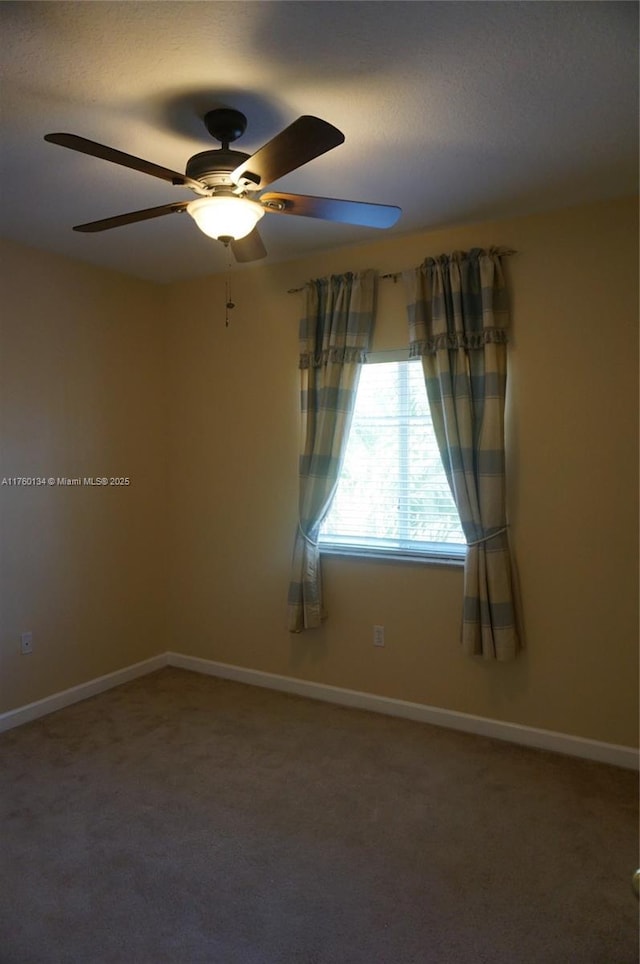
(394, 274)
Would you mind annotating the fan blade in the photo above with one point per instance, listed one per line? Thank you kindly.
(306, 138)
(250, 248)
(332, 209)
(75, 143)
(132, 217)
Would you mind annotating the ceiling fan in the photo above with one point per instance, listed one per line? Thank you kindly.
(229, 183)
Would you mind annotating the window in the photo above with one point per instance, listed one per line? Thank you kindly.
(393, 497)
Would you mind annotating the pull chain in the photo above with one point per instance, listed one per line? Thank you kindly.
(229, 303)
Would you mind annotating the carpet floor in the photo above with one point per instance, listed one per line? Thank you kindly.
(182, 819)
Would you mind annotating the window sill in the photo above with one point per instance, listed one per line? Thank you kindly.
(394, 556)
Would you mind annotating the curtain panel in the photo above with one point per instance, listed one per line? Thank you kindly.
(458, 317)
(335, 335)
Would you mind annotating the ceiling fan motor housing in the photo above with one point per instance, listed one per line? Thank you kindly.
(214, 167)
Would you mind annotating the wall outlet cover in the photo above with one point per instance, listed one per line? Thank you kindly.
(26, 643)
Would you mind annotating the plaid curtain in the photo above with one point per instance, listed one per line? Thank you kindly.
(458, 314)
(334, 338)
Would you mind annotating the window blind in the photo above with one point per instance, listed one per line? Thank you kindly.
(393, 494)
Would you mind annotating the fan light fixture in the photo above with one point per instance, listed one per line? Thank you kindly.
(226, 181)
(225, 216)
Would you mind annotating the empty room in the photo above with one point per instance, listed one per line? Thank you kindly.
(319, 482)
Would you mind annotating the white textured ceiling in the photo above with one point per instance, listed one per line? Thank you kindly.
(456, 111)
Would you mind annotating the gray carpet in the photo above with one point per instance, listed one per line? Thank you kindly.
(189, 820)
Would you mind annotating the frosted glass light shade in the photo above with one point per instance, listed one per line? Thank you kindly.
(225, 217)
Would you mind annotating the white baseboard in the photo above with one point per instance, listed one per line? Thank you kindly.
(621, 756)
(57, 701)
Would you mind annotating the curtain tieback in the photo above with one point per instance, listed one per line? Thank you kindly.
(498, 532)
(304, 535)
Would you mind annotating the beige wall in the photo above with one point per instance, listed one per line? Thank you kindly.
(219, 424)
(82, 393)
(572, 416)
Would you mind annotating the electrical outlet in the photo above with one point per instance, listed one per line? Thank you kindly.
(26, 643)
(378, 635)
